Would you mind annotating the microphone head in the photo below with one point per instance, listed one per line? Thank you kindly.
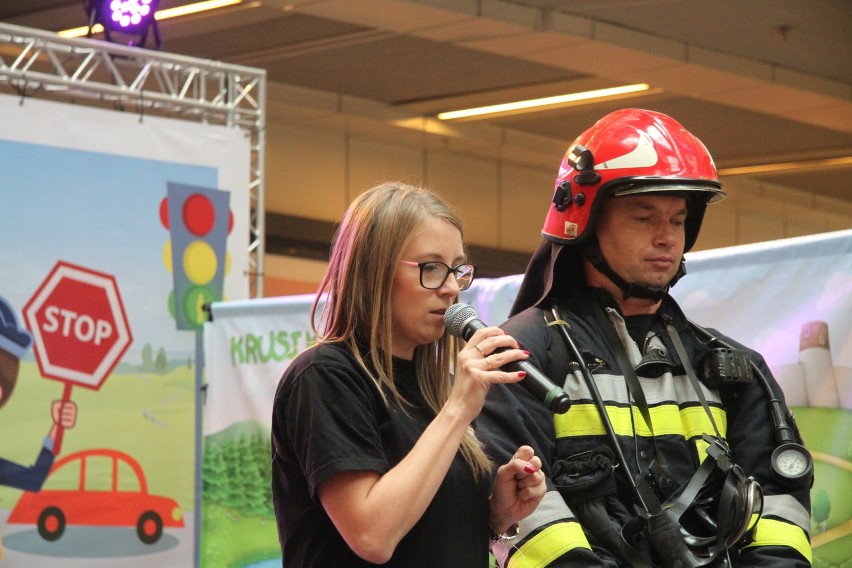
(457, 316)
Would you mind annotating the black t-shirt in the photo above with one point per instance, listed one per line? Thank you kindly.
(328, 417)
(638, 327)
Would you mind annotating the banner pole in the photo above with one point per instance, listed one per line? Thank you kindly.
(199, 441)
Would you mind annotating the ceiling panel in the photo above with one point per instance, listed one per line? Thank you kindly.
(792, 33)
(745, 71)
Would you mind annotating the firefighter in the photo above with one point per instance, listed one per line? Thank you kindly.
(668, 455)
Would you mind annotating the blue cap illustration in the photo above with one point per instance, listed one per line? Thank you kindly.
(13, 339)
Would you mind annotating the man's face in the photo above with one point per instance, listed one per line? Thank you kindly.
(642, 237)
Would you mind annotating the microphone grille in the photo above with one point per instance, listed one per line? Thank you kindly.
(456, 316)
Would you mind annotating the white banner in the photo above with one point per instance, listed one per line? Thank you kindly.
(783, 298)
(791, 300)
(248, 345)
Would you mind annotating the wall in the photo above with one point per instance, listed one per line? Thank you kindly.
(315, 171)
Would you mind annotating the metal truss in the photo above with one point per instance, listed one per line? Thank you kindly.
(35, 63)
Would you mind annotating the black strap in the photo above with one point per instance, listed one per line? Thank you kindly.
(690, 372)
(641, 489)
(657, 466)
(624, 365)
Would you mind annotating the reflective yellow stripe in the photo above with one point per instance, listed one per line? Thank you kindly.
(690, 422)
(770, 532)
(580, 420)
(548, 545)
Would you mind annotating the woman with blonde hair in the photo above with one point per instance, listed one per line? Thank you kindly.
(375, 454)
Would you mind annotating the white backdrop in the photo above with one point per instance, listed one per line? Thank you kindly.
(770, 296)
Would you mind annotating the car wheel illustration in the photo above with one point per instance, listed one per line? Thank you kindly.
(149, 528)
(51, 523)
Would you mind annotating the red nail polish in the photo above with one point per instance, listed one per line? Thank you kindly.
(530, 468)
(526, 352)
(522, 374)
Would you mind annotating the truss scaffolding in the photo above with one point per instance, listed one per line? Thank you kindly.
(35, 63)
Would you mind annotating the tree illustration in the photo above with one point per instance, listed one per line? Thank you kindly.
(214, 474)
(237, 474)
(821, 509)
(147, 358)
(162, 362)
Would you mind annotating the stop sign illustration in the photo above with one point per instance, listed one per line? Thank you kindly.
(79, 326)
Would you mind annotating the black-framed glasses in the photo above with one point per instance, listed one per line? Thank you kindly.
(433, 274)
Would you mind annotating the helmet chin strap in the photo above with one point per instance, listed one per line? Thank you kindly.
(592, 252)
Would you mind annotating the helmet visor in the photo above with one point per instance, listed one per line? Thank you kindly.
(711, 193)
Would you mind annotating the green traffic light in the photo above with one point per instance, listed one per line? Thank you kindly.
(193, 303)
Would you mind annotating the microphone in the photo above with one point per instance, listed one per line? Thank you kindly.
(461, 320)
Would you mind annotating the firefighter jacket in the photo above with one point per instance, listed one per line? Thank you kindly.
(590, 503)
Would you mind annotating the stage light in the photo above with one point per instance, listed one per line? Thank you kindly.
(164, 14)
(125, 21)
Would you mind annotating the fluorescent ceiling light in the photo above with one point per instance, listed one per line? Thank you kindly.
(427, 125)
(548, 102)
(816, 164)
(160, 15)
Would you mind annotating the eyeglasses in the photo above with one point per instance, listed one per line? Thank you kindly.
(433, 274)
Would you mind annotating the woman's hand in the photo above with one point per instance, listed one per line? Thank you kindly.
(518, 489)
(478, 367)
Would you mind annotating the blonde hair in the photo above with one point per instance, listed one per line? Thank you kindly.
(368, 244)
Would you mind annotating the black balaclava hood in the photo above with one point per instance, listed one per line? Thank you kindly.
(553, 267)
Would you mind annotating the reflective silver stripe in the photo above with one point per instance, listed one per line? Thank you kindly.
(665, 388)
(786, 507)
(633, 352)
(551, 509)
(657, 389)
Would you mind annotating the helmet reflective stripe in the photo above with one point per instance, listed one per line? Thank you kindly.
(642, 156)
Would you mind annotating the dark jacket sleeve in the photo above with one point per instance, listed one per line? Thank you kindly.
(28, 478)
(551, 536)
(782, 535)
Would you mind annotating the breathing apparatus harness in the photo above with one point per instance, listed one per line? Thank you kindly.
(718, 487)
(791, 462)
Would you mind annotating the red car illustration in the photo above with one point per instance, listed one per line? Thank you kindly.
(98, 487)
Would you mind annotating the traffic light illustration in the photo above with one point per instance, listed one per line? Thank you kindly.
(199, 220)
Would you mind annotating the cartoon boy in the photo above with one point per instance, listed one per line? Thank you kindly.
(14, 342)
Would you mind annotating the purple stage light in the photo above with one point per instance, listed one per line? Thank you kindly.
(128, 17)
(130, 14)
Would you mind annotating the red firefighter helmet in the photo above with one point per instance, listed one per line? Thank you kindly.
(630, 151)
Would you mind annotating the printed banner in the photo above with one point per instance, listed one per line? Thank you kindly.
(791, 300)
(247, 345)
(87, 320)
